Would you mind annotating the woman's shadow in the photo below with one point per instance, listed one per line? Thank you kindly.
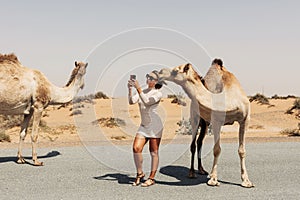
(121, 178)
(178, 172)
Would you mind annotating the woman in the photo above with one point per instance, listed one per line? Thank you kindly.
(151, 125)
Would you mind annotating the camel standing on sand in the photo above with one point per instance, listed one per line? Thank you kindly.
(219, 109)
(28, 92)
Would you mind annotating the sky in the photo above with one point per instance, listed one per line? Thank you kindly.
(258, 41)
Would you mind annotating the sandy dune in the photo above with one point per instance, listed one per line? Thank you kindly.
(266, 122)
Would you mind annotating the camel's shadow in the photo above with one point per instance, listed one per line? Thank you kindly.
(181, 174)
(14, 158)
(178, 172)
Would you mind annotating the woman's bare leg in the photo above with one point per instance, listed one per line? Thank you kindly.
(153, 148)
(138, 145)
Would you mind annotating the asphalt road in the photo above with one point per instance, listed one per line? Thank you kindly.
(73, 173)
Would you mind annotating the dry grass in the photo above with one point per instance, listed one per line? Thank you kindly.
(185, 127)
(259, 98)
(177, 99)
(296, 106)
(118, 137)
(109, 122)
(256, 126)
(4, 137)
(291, 132)
(76, 112)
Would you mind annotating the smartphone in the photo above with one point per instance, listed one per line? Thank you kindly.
(132, 77)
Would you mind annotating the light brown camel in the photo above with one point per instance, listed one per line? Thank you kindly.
(28, 92)
(213, 82)
(219, 109)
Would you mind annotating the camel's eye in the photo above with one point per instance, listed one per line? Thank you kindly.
(174, 72)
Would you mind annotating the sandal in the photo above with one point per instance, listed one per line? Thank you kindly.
(138, 178)
(148, 182)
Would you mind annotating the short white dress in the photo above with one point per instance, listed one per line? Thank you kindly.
(151, 124)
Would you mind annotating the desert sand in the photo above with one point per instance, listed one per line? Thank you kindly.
(266, 125)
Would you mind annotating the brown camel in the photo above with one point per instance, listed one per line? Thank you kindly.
(213, 82)
(28, 92)
(219, 109)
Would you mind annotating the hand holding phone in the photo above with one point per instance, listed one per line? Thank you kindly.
(132, 77)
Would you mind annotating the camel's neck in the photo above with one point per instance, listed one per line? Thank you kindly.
(61, 95)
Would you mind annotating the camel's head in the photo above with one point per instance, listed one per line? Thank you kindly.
(78, 74)
(180, 74)
(81, 72)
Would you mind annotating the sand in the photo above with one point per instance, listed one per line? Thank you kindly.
(266, 125)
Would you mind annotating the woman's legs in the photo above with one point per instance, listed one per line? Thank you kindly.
(153, 148)
(138, 145)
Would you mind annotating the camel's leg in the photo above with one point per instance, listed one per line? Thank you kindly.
(199, 146)
(37, 115)
(217, 150)
(23, 133)
(242, 153)
(195, 119)
(193, 150)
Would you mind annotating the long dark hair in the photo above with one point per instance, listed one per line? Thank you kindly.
(158, 85)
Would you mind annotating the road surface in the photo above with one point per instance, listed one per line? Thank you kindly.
(73, 173)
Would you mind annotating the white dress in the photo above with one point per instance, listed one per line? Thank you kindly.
(151, 124)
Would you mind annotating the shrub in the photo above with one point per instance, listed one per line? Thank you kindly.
(100, 95)
(118, 137)
(89, 98)
(296, 106)
(291, 132)
(261, 99)
(185, 127)
(76, 112)
(177, 99)
(86, 99)
(171, 96)
(4, 137)
(10, 121)
(283, 97)
(109, 122)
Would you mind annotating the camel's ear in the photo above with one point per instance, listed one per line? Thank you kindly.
(86, 65)
(186, 68)
(76, 63)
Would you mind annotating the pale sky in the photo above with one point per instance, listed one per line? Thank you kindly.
(259, 41)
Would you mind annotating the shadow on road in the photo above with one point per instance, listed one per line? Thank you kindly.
(121, 178)
(14, 158)
(178, 172)
(181, 174)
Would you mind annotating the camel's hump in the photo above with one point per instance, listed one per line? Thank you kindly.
(9, 58)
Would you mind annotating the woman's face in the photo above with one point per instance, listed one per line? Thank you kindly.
(151, 82)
